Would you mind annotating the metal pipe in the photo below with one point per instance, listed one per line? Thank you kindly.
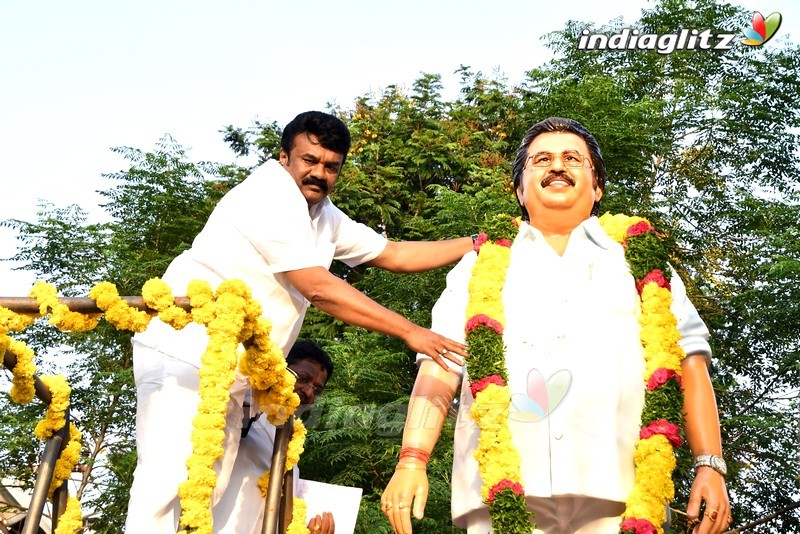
(44, 475)
(80, 304)
(283, 434)
(61, 493)
(42, 393)
(47, 465)
(287, 503)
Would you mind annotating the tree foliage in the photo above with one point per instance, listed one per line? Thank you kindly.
(703, 143)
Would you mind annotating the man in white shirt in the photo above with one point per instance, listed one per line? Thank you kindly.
(278, 232)
(241, 510)
(572, 344)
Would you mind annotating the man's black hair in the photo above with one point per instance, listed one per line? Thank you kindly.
(329, 131)
(308, 350)
(559, 124)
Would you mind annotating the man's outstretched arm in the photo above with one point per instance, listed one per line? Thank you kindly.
(418, 256)
(336, 297)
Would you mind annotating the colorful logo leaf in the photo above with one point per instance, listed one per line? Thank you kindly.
(762, 30)
(542, 396)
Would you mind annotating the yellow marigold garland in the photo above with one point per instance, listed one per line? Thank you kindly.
(296, 444)
(158, 295)
(71, 520)
(298, 524)
(485, 289)
(217, 373)
(497, 457)
(231, 316)
(273, 386)
(67, 460)
(13, 321)
(117, 311)
(654, 458)
(201, 298)
(54, 418)
(293, 452)
(60, 315)
(22, 387)
(499, 461)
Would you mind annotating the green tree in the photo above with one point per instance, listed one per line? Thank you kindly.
(155, 208)
(703, 143)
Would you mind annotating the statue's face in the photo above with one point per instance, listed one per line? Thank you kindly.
(558, 177)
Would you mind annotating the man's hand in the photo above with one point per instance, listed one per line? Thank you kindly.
(336, 297)
(709, 486)
(322, 524)
(436, 346)
(406, 485)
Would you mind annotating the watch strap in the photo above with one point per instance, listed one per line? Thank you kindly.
(715, 462)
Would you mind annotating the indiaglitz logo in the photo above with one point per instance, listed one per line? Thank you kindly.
(665, 43)
(541, 397)
(762, 30)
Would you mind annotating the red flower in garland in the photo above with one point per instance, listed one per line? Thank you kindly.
(483, 320)
(657, 276)
(483, 383)
(660, 377)
(503, 485)
(481, 239)
(664, 427)
(642, 227)
(638, 526)
(503, 243)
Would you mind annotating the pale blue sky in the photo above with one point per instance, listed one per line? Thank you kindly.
(80, 77)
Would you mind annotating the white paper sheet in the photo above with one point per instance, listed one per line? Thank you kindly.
(342, 501)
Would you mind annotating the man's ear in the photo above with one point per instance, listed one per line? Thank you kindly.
(283, 158)
(598, 192)
(520, 195)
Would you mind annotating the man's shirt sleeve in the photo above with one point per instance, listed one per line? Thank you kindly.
(694, 332)
(356, 243)
(449, 313)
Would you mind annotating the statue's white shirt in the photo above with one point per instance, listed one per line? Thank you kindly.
(571, 320)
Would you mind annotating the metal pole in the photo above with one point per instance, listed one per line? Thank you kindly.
(42, 393)
(287, 503)
(44, 475)
(61, 493)
(52, 450)
(283, 434)
(80, 304)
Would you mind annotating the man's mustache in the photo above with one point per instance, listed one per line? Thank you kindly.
(550, 178)
(322, 184)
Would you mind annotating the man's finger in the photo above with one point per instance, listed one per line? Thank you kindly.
(440, 361)
(404, 508)
(453, 357)
(420, 499)
(328, 526)
(693, 506)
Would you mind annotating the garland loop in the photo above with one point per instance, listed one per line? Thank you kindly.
(654, 459)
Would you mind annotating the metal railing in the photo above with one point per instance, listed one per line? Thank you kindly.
(278, 509)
